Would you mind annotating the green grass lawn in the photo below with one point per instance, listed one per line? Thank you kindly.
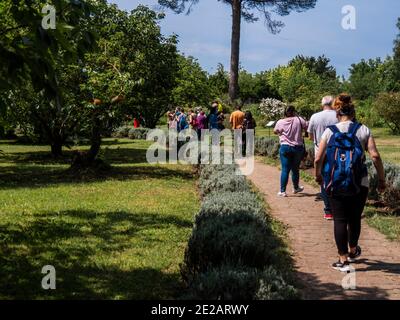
(116, 235)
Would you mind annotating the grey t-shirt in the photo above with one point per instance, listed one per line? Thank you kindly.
(319, 122)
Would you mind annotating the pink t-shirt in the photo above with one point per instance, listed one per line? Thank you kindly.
(290, 130)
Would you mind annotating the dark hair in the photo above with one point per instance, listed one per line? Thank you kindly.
(248, 115)
(290, 111)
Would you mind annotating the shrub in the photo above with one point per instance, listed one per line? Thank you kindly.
(223, 178)
(228, 283)
(227, 203)
(387, 105)
(237, 239)
(121, 132)
(265, 146)
(391, 196)
(232, 243)
(138, 133)
(272, 109)
(129, 132)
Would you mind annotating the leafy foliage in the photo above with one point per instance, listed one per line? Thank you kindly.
(192, 88)
(228, 283)
(391, 196)
(387, 106)
(28, 51)
(232, 248)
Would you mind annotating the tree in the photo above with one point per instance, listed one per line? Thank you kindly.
(246, 9)
(132, 73)
(396, 56)
(27, 50)
(298, 83)
(365, 81)
(192, 87)
(219, 81)
(33, 60)
(387, 105)
(319, 65)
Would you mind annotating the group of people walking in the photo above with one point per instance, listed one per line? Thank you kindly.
(198, 120)
(340, 143)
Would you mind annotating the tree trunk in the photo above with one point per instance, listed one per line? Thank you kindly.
(56, 149)
(235, 46)
(89, 159)
(95, 140)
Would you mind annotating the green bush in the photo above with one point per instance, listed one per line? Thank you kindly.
(237, 239)
(228, 283)
(138, 133)
(227, 203)
(264, 146)
(121, 132)
(232, 242)
(391, 196)
(387, 105)
(222, 178)
(129, 132)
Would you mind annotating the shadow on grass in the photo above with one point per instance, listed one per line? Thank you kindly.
(112, 155)
(36, 177)
(38, 169)
(78, 244)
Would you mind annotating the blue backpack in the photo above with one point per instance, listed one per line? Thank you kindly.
(182, 123)
(344, 165)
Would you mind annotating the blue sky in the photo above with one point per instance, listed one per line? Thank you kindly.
(205, 33)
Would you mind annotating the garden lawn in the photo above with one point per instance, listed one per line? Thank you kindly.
(116, 235)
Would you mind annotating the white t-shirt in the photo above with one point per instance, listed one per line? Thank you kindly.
(319, 122)
(363, 134)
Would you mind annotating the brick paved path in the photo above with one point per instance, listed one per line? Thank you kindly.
(311, 240)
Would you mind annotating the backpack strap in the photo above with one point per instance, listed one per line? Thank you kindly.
(354, 127)
(334, 128)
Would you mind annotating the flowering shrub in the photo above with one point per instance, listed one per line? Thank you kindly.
(272, 109)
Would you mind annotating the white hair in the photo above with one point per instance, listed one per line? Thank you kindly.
(327, 101)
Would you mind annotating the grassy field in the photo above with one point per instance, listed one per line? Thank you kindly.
(117, 235)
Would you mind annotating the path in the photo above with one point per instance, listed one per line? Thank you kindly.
(314, 250)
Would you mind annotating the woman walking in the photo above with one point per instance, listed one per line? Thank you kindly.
(248, 124)
(345, 179)
(291, 152)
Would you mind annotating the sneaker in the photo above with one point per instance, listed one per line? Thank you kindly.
(282, 194)
(328, 216)
(353, 256)
(298, 189)
(341, 266)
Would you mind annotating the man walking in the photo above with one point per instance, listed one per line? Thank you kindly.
(237, 118)
(317, 125)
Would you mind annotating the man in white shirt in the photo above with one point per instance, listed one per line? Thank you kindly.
(317, 125)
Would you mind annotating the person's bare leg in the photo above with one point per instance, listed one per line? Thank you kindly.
(343, 258)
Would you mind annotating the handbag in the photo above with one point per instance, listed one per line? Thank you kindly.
(305, 152)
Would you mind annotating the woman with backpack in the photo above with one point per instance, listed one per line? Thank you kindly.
(292, 149)
(340, 169)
